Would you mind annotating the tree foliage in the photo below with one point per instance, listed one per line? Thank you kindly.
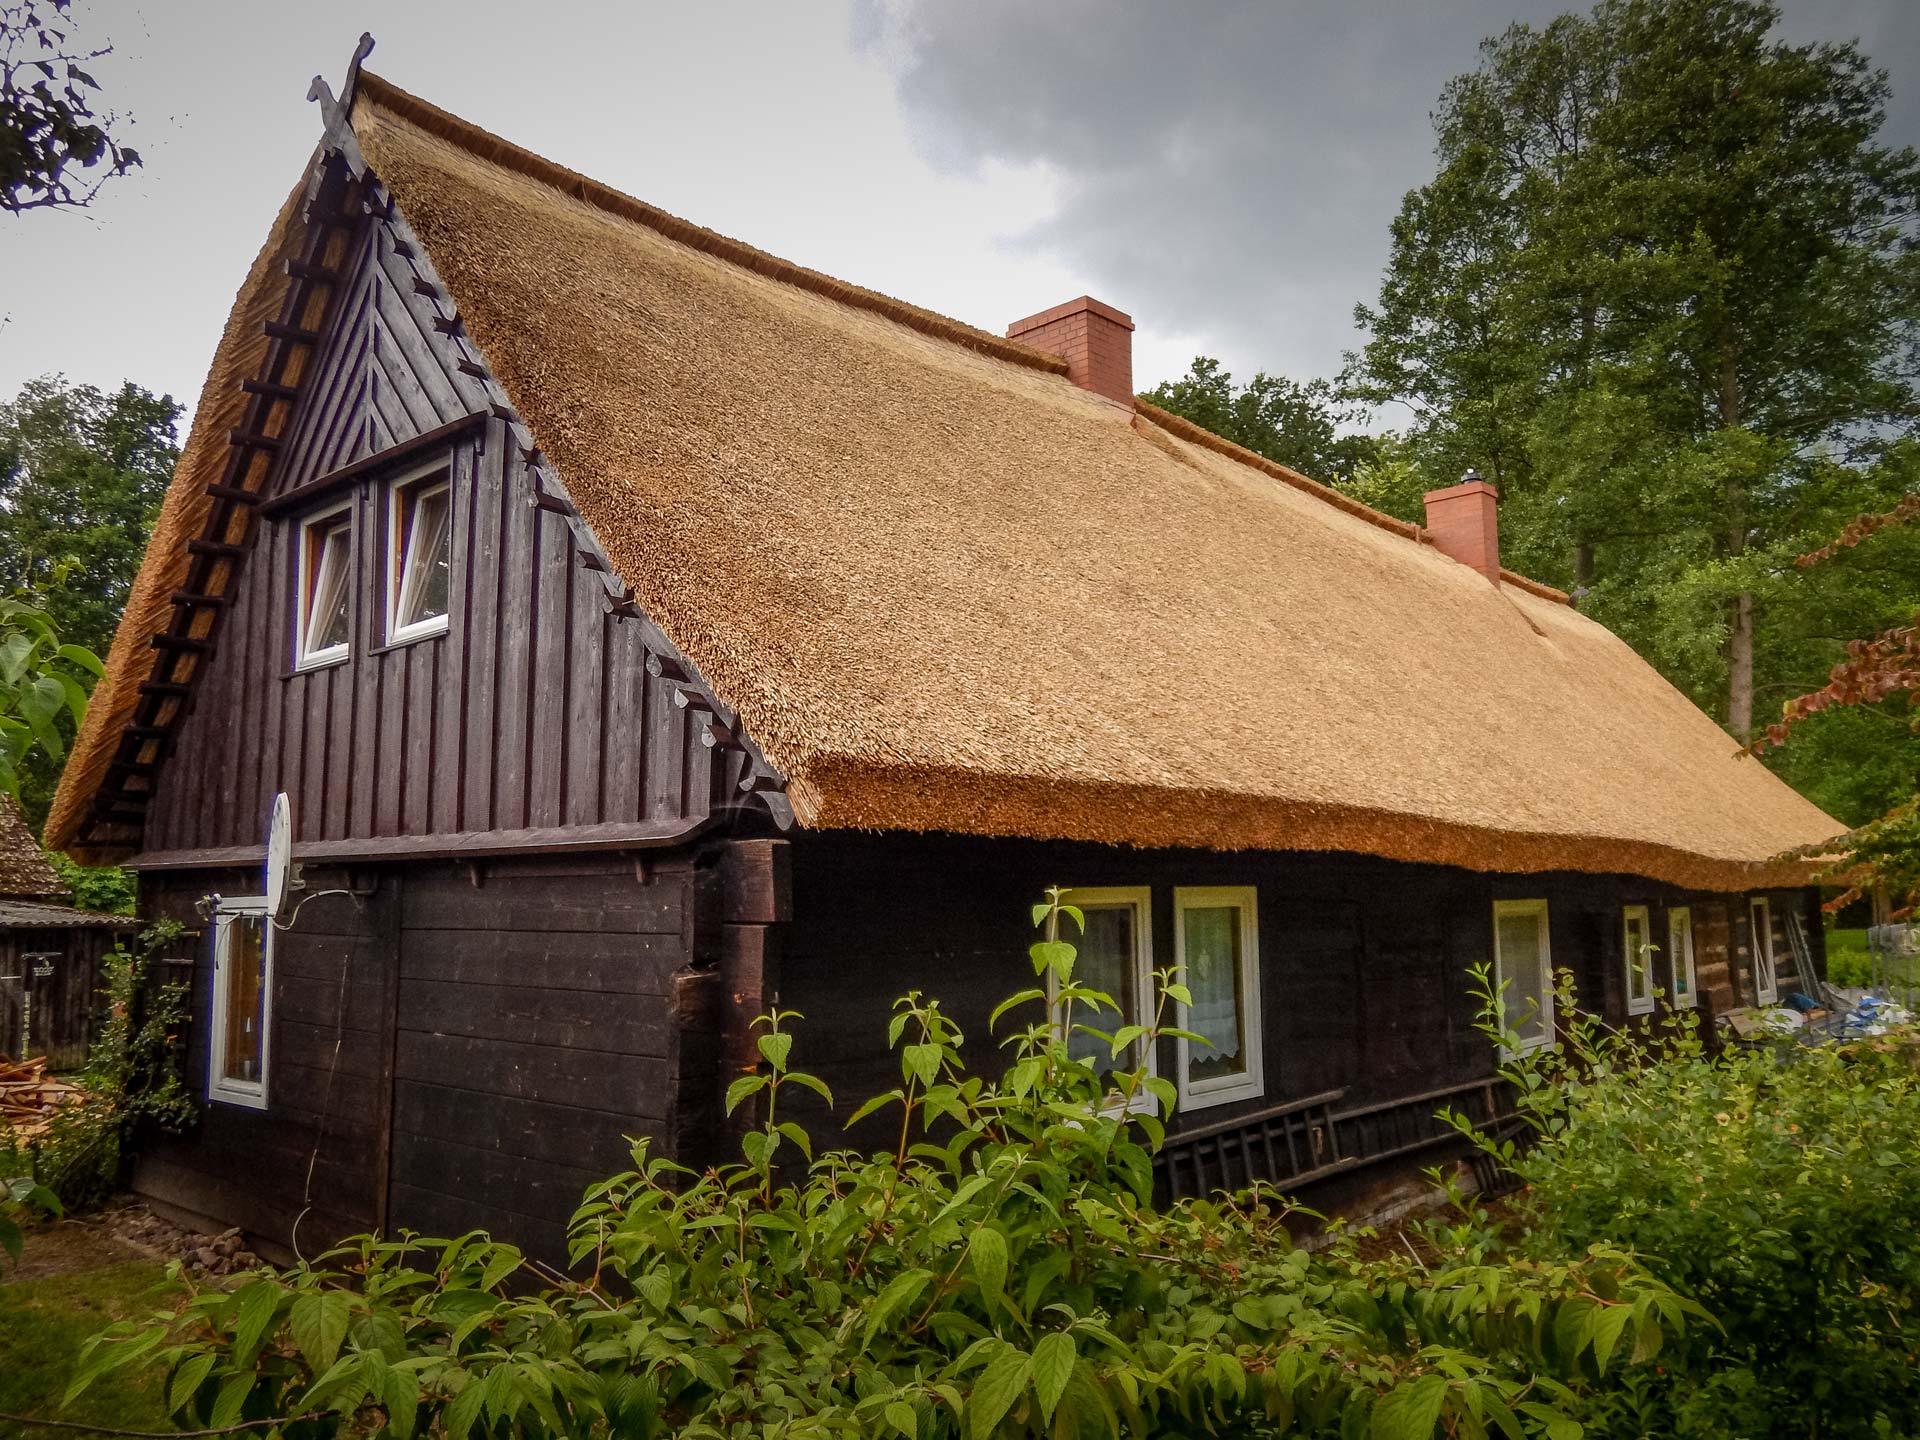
(50, 126)
(43, 689)
(1292, 423)
(1662, 290)
(82, 475)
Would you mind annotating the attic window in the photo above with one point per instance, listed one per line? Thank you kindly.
(323, 622)
(419, 553)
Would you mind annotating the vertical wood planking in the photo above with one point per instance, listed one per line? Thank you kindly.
(551, 670)
(589, 674)
(482, 677)
(519, 598)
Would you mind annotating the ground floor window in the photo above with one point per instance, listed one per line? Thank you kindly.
(1680, 956)
(1217, 948)
(1523, 969)
(1765, 987)
(1116, 958)
(1636, 945)
(242, 1002)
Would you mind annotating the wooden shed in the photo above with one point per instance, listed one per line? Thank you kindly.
(49, 954)
(643, 626)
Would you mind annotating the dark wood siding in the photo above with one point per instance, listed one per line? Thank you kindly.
(534, 710)
(445, 1055)
(534, 1035)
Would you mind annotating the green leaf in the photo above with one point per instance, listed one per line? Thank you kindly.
(987, 1258)
(504, 1261)
(923, 1061)
(464, 1410)
(83, 657)
(1410, 1411)
(318, 1322)
(900, 1415)
(187, 1379)
(1053, 1361)
(993, 1394)
(743, 1087)
(257, 1304)
(901, 1292)
(232, 1397)
(776, 1047)
(798, 1136)
(813, 1083)
(1053, 957)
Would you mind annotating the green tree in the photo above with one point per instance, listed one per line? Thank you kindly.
(49, 126)
(1662, 290)
(1291, 423)
(43, 690)
(82, 474)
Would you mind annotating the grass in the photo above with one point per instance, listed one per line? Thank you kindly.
(45, 1317)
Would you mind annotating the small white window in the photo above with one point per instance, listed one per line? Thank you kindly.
(1115, 957)
(1523, 969)
(1680, 955)
(1765, 986)
(323, 617)
(242, 1002)
(1636, 947)
(1216, 935)
(419, 553)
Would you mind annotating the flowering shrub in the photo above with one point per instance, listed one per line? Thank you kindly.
(1773, 1185)
(1002, 1271)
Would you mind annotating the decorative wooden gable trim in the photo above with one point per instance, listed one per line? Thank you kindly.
(336, 391)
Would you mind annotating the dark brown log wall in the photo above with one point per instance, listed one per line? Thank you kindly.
(534, 710)
(446, 1055)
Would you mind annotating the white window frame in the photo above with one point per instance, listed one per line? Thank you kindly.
(1642, 1003)
(1680, 956)
(1766, 979)
(1503, 969)
(250, 1093)
(1138, 898)
(1252, 1083)
(303, 658)
(399, 567)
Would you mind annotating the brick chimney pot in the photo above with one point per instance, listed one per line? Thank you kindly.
(1094, 339)
(1463, 521)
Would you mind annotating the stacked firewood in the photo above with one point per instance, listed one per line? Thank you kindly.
(29, 1096)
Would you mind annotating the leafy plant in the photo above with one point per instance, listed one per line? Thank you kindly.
(1769, 1185)
(20, 1196)
(1001, 1270)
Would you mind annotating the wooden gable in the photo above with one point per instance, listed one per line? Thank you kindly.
(551, 713)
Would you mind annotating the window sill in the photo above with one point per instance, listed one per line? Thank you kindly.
(326, 662)
(414, 634)
(1191, 1100)
(245, 1100)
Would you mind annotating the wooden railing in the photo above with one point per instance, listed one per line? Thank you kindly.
(1303, 1142)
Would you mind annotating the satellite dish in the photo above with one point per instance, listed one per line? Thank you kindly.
(279, 853)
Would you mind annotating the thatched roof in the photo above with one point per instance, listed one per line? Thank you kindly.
(946, 589)
(24, 871)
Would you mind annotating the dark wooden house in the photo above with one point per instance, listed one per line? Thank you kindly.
(49, 954)
(642, 625)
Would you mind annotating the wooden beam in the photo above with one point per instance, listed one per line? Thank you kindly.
(552, 504)
(269, 389)
(219, 549)
(665, 667)
(551, 840)
(393, 455)
(473, 369)
(278, 330)
(172, 688)
(424, 286)
(202, 601)
(235, 493)
(300, 269)
(253, 437)
(194, 644)
(449, 325)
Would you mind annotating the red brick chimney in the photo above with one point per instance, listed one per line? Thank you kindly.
(1095, 340)
(1464, 521)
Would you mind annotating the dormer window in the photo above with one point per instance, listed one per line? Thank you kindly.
(419, 551)
(323, 620)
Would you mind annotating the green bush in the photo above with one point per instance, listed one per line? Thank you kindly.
(1001, 1271)
(1774, 1186)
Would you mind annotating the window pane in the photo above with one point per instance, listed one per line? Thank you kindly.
(1211, 946)
(242, 972)
(425, 549)
(1106, 963)
(327, 619)
(1639, 973)
(1517, 938)
(1680, 941)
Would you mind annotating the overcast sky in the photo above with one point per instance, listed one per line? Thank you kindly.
(1224, 172)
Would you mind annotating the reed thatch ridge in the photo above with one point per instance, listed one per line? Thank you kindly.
(946, 589)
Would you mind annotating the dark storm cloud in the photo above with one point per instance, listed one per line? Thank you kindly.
(1228, 172)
